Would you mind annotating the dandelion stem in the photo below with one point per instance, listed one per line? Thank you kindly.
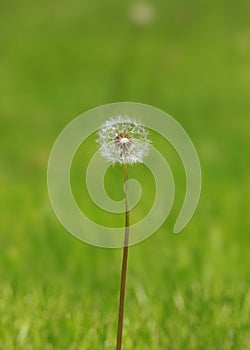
(124, 263)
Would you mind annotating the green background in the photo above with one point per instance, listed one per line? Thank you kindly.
(189, 58)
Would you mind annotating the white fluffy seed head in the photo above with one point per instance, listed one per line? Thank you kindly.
(123, 140)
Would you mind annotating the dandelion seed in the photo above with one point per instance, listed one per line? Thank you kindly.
(123, 140)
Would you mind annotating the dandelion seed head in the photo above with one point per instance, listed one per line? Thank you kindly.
(142, 13)
(123, 140)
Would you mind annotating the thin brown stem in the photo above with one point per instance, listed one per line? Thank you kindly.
(124, 264)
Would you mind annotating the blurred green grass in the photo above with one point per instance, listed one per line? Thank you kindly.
(60, 59)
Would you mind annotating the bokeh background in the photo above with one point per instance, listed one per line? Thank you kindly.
(189, 58)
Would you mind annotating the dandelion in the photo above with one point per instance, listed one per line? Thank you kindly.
(142, 13)
(123, 140)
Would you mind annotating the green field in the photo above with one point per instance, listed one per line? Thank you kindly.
(185, 291)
